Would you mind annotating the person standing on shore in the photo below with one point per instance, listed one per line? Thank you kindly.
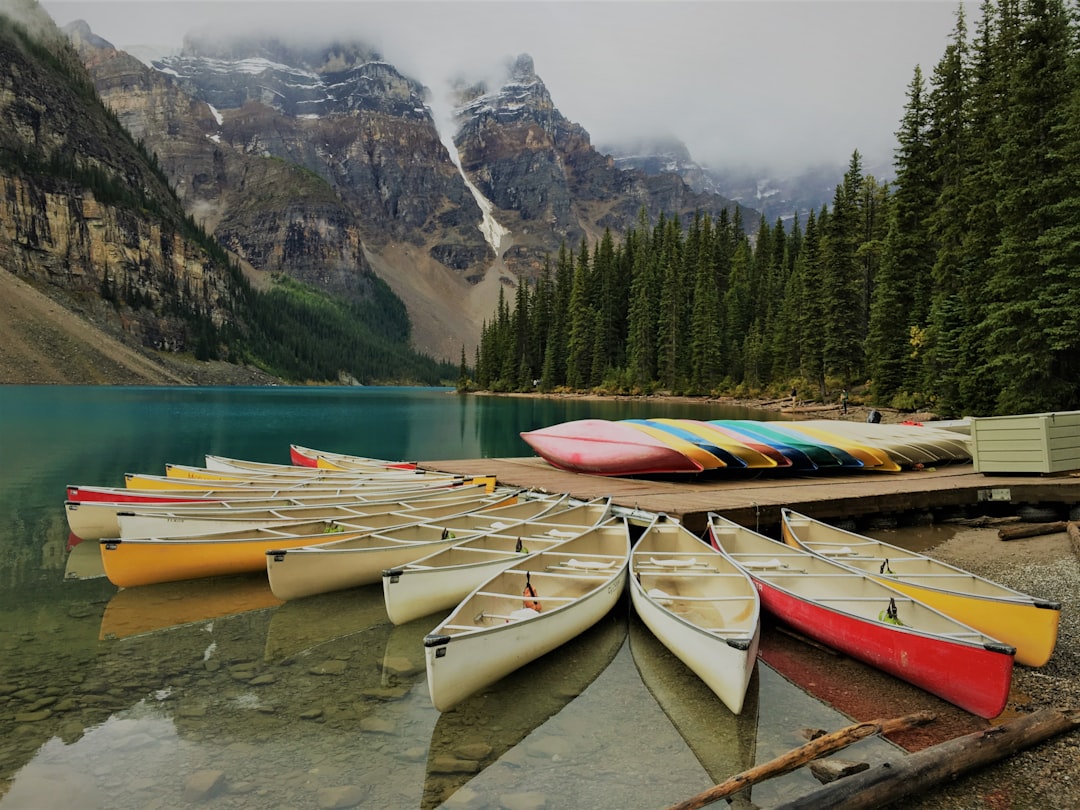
(843, 402)
(794, 396)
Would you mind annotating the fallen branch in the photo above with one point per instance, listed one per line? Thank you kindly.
(798, 757)
(1030, 530)
(1074, 536)
(891, 781)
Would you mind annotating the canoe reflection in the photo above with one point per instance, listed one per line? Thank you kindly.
(83, 562)
(302, 624)
(479, 730)
(724, 743)
(134, 611)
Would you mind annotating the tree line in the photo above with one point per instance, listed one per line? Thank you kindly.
(955, 288)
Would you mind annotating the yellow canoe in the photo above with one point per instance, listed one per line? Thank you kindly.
(1025, 622)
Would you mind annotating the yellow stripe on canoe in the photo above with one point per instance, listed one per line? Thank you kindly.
(872, 457)
(692, 451)
(753, 459)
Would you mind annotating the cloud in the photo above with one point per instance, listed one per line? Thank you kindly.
(777, 83)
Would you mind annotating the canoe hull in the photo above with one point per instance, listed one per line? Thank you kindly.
(973, 678)
(839, 608)
(1017, 619)
(600, 447)
(489, 635)
(706, 613)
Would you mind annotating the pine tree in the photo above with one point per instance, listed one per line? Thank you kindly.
(1034, 140)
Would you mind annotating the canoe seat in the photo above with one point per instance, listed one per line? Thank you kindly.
(836, 552)
(674, 563)
(763, 565)
(588, 564)
(560, 533)
(662, 597)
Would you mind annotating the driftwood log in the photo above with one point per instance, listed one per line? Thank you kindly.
(798, 757)
(1030, 530)
(1074, 536)
(891, 781)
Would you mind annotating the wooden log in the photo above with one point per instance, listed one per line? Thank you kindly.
(1074, 536)
(916, 773)
(1030, 530)
(798, 757)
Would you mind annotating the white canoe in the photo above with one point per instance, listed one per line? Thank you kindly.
(97, 519)
(441, 580)
(180, 522)
(297, 570)
(702, 606)
(1018, 619)
(239, 465)
(329, 460)
(499, 628)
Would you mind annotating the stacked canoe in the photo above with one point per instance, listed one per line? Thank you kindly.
(662, 446)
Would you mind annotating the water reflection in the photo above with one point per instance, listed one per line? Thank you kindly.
(133, 611)
(478, 731)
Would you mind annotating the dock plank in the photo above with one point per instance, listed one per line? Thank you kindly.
(756, 499)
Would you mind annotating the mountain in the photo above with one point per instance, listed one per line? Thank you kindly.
(776, 195)
(323, 163)
(548, 183)
(424, 219)
(91, 219)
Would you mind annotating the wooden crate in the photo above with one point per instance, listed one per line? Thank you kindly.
(1027, 443)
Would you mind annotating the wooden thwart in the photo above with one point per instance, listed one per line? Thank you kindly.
(798, 757)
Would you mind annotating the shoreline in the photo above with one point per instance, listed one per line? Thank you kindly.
(809, 409)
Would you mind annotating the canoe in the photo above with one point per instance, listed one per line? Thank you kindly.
(603, 447)
(307, 457)
(305, 569)
(238, 465)
(526, 611)
(441, 580)
(1025, 622)
(908, 445)
(142, 481)
(857, 615)
(798, 458)
(147, 560)
(871, 456)
(702, 606)
(704, 452)
(490, 723)
(289, 474)
(178, 521)
(748, 454)
(96, 519)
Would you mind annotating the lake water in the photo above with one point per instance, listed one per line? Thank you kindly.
(213, 691)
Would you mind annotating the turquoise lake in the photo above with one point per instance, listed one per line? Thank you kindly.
(212, 693)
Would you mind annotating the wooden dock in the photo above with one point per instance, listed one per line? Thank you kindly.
(756, 501)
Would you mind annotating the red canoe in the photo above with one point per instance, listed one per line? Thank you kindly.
(602, 447)
(880, 626)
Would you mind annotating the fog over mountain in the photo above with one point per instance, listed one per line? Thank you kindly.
(776, 84)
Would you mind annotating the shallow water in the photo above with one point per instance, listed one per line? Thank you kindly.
(162, 696)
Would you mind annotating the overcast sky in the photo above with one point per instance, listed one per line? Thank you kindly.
(779, 83)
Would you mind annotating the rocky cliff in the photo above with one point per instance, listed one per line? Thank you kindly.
(85, 213)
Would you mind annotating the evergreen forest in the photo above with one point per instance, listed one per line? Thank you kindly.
(955, 288)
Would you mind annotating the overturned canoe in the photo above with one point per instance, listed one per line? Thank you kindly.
(601, 447)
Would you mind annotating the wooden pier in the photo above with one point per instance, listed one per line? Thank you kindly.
(756, 500)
